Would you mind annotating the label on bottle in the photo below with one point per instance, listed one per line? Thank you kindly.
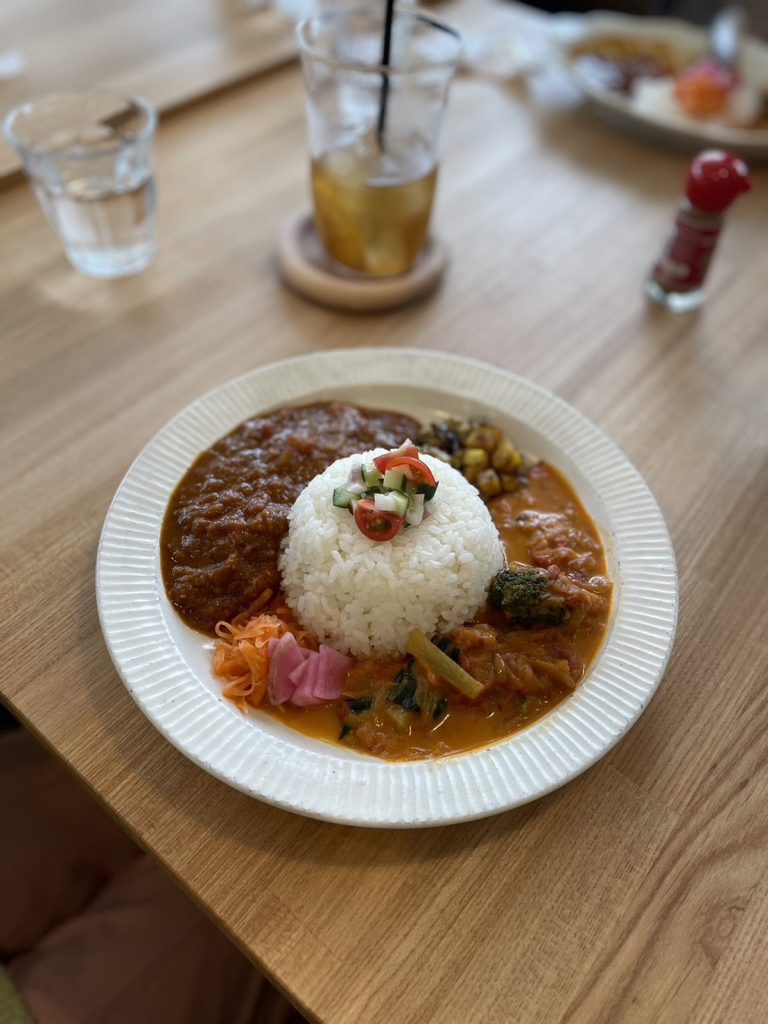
(683, 265)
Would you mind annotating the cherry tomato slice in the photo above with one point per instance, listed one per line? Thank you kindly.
(382, 462)
(376, 525)
(414, 469)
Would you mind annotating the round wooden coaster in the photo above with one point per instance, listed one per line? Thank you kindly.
(306, 267)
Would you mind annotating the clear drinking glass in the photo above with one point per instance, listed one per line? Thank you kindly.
(374, 128)
(88, 158)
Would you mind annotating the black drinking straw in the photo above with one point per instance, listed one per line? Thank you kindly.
(385, 56)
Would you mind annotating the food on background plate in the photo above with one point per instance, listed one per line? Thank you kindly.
(615, 62)
(703, 91)
(657, 79)
(407, 598)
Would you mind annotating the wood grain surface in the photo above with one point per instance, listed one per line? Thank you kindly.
(638, 894)
(171, 52)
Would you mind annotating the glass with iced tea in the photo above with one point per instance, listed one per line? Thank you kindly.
(374, 126)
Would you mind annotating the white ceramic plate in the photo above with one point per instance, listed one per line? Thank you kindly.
(166, 666)
(690, 41)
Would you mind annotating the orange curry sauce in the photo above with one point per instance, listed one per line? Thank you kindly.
(527, 672)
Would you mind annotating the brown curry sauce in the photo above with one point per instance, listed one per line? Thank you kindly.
(226, 519)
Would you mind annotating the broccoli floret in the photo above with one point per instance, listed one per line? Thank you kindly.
(525, 596)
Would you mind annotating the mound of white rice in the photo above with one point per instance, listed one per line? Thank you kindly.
(366, 596)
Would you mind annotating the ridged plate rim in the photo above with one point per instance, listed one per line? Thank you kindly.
(318, 781)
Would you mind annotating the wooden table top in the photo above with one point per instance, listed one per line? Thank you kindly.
(171, 52)
(639, 892)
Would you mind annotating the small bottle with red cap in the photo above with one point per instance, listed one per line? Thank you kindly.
(715, 179)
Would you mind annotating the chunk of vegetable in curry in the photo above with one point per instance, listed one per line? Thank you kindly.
(525, 596)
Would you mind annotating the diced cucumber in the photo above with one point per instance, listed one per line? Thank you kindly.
(392, 502)
(394, 481)
(402, 503)
(428, 490)
(342, 497)
(371, 475)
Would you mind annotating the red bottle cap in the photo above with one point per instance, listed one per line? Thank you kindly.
(715, 179)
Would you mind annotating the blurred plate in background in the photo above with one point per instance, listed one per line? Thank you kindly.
(684, 43)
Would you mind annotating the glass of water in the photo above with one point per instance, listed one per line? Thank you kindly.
(88, 158)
